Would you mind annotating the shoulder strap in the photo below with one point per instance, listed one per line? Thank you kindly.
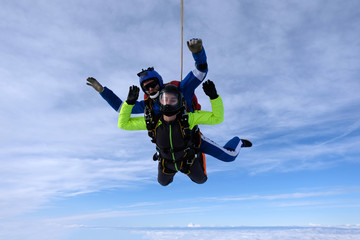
(151, 119)
(190, 136)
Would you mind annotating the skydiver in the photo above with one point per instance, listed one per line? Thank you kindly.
(174, 138)
(151, 83)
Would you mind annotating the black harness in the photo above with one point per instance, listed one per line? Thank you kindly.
(192, 138)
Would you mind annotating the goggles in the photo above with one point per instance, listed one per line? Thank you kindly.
(152, 84)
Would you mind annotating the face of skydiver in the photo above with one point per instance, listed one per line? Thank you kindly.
(170, 99)
(151, 87)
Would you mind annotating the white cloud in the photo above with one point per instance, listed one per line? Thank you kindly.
(279, 196)
(191, 225)
(43, 179)
(264, 233)
(287, 72)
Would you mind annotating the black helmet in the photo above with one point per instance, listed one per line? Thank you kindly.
(171, 100)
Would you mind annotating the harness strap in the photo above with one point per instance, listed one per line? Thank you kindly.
(185, 164)
(151, 119)
(191, 137)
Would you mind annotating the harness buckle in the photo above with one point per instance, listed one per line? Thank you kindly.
(190, 161)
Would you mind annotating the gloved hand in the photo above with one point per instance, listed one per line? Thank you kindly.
(209, 89)
(195, 45)
(133, 95)
(95, 84)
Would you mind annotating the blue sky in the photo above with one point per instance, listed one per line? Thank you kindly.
(288, 73)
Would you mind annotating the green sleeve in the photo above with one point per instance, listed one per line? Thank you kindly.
(126, 122)
(216, 116)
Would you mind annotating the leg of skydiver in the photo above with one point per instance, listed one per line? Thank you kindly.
(198, 170)
(228, 152)
(165, 175)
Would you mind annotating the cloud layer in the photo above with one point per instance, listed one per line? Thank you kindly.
(288, 73)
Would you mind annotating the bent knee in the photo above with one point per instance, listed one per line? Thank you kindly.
(200, 181)
(164, 183)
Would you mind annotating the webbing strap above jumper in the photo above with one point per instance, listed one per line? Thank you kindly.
(182, 34)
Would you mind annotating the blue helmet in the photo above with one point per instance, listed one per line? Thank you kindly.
(148, 74)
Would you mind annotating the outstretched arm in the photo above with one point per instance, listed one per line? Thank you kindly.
(216, 116)
(111, 98)
(196, 47)
(126, 122)
(195, 77)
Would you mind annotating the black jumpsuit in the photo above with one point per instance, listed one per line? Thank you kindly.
(175, 155)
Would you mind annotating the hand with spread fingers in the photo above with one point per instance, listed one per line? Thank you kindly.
(95, 84)
(133, 95)
(209, 89)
